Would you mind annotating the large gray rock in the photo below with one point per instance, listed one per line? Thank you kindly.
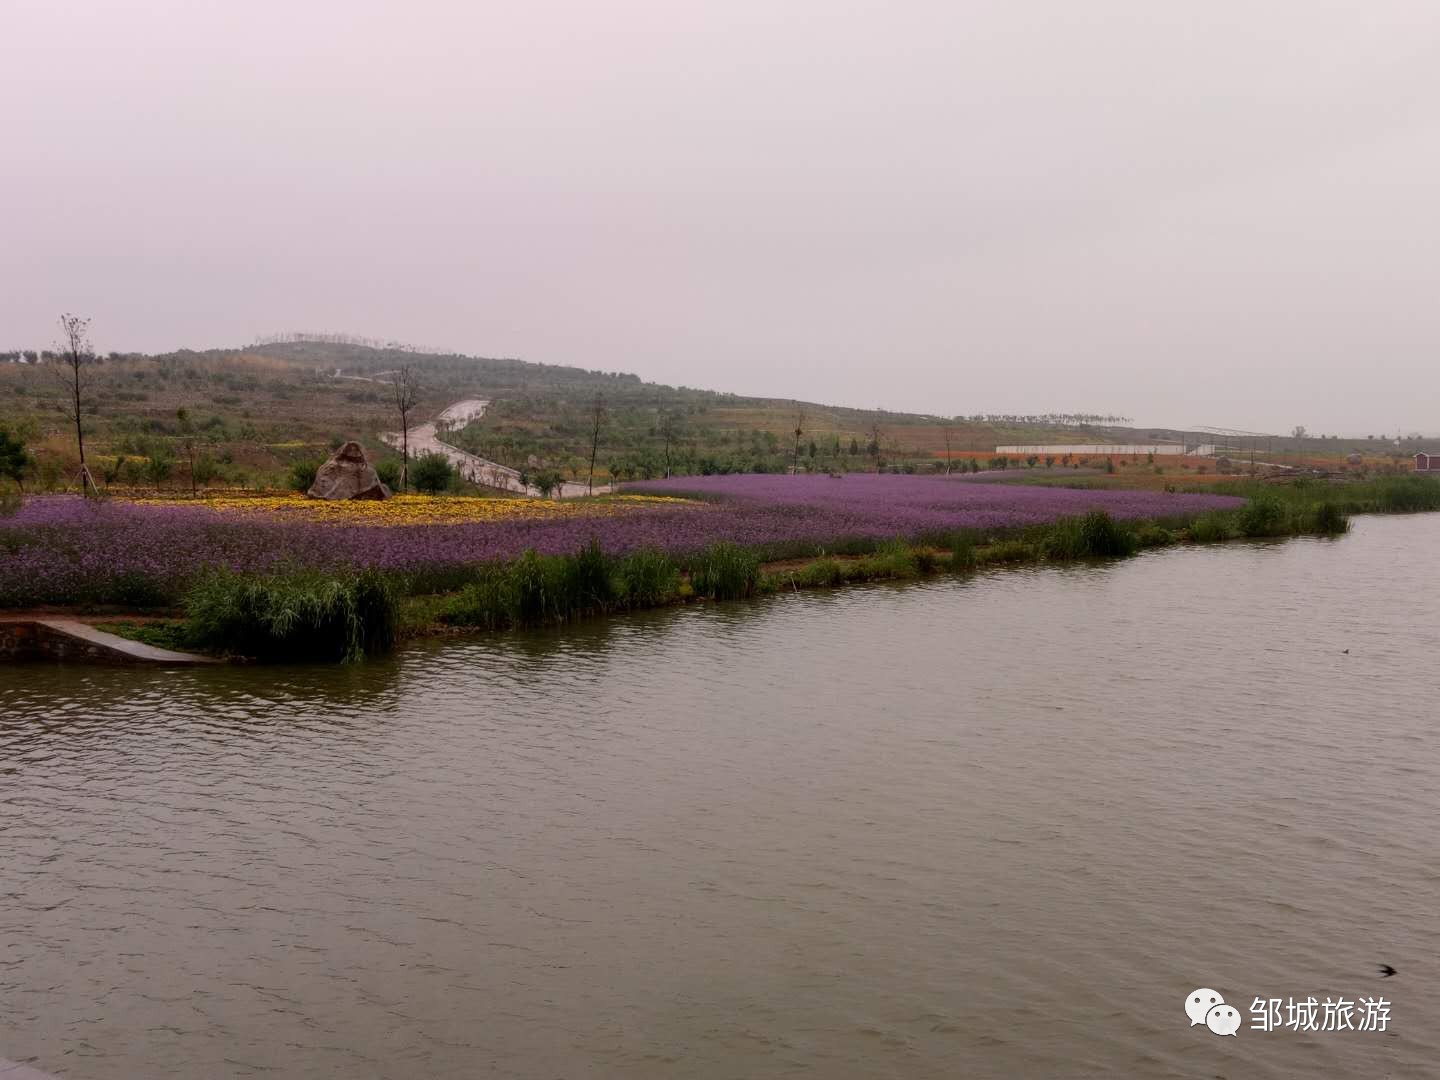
(347, 475)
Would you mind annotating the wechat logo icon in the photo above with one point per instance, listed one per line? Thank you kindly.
(1207, 1007)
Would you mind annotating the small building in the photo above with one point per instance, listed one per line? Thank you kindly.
(1427, 463)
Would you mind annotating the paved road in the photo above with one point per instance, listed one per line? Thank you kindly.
(425, 439)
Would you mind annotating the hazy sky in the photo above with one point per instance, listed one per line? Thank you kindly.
(1187, 212)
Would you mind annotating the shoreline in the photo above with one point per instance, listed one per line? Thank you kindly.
(421, 615)
(348, 611)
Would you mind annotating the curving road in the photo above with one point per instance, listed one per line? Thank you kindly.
(425, 439)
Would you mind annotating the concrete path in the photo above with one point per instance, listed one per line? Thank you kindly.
(58, 638)
(425, 439)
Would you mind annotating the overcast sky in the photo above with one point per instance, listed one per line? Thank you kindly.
(1210, 212)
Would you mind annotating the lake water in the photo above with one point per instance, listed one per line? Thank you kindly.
(992, 827)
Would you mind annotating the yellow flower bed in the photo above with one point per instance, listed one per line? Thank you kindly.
(415, 509)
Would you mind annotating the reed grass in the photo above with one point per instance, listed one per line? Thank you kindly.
(725, 571)
(1091, 536)
(300, 616)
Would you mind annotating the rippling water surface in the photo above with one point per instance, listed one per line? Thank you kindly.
(991, 827)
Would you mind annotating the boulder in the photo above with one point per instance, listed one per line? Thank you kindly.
(347, 475)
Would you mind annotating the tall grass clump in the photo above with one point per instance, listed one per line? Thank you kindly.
(1407, 494)
(1213, 528)
(10, 500)
(309, 615)
(543, 590)
(488, 601)
(1265, 516)
(1011, 550)
(588, 582)
(537, 588)
(1327, 519)
(725, 571)
(962, 553)
(821, 573)
(1090, 536)
(1151, 535)
(895, 559)
(647, 578)
(533, 590)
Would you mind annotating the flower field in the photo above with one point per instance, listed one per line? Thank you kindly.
(870, 505)
(63, 549)
(408, 509)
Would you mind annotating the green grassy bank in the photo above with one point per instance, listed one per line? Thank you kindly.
(347, 616)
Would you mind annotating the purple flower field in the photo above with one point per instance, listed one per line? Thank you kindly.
(870, 505)
(62, 549)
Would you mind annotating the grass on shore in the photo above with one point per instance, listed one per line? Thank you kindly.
(348, 616)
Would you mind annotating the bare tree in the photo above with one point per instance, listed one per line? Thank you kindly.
(799, 430)
(670, 432)
(406, 393)
(949, 437)
(187, 441)
(876, 433)
(73, 372)
(598, 413)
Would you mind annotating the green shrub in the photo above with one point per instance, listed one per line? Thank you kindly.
(204, 469)
(893, 559)
(302, 475)
(15, 460)
(822, 572)
(431, 473)
(1212, 528)
(548, 482)
(135, 589)
(10, 500)
(1004, 551)
(1264, 516)
(1151, 535)
(389, 473)
(300, 616)
(725, 571)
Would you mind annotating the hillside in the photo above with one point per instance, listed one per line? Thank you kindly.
(247, 415)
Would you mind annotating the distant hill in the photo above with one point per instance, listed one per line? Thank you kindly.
(255, 411)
